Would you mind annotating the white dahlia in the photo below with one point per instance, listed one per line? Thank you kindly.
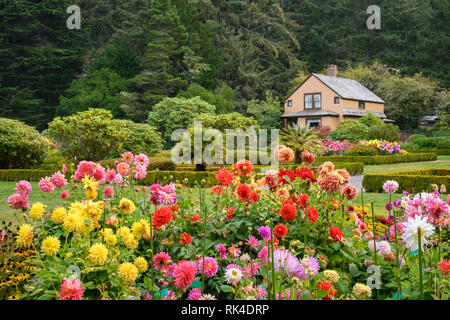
(233, 276)
(410, 234)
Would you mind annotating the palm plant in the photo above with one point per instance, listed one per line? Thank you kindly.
(300, 138)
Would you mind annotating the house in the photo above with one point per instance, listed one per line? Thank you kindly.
(328, 100)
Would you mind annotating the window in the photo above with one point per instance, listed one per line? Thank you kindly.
(311, 123)
(289, 103)
(336, 100)
(313, 101)
(362, 105)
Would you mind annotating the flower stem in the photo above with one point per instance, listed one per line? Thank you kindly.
(398, 261)
(273, 263)
(419, 238)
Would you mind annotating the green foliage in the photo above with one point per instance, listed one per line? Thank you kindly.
(221, 97)
(53, 161)
(374, 160)
(21, 146)
(371, 120)
(410, 180)
(384, 131)
(175, 113)
(349, 129)
(117, 57)
(88, 135)
(140, 138)
(439, 152)
(222, 122)
(266, 112)
(187, 178)
(417, 141)
(299, 138)
(99, 89)
(39, 57)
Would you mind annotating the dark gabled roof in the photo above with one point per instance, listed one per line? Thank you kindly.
(362, 113)
(311, 113)
(348, 88)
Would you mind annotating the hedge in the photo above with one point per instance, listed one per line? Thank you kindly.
(160, 163)
(439, 152)
(24, 174)
(375, 160)
(354, 168)
(410, 180)
(188, 178)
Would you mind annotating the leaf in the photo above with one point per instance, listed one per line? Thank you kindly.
(354, 269)
(226, 288)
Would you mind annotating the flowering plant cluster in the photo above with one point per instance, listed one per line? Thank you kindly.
(345, 147)
(282, 234)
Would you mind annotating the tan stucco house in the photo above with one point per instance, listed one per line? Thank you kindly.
(328, 100)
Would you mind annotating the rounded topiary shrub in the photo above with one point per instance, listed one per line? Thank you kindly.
(384, 131)
(21, 146)
(349, 129)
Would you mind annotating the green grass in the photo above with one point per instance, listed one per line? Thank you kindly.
(441, 162)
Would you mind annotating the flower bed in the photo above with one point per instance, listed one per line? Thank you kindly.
(291, 234)
(409, 180)
(371, 147)
(374, 160)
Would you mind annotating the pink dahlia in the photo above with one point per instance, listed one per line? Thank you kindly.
(23, 187)
(350, 192)
(285, 155)
(46, 185)
(308, 157)
(84, 168)
(195, 294)
(167, 199)
(222, 250)
(64, 195)
(263, 254)
(140, 171)
(123, 168)
(110, 176)
(18, 201)
(100, 174)
(210, 267)
(162, 261)
(390, 186)
(127, 157)
(184, 274)
(58, 180)
(109, 192)
(71, 289)
(141, 159)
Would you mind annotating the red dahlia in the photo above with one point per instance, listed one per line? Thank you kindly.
(224, 176)
(280, 230)
(336, 233)
(288, 211)
(161, 217)
(312, 214)
(185, 239)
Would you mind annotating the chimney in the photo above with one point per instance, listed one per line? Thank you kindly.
(332, 70)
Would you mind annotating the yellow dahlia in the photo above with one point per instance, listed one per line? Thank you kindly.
(89, 183)
(93, 210)
(331, 275)
(91, 194)
(50, 245)
(127, 206)
(141, 264)
(37, 210)
(59, 214)
(76, 208)
(73, 222)
(128, 272)
(131, 242)
(123, 232)
(24, 236)
(141, 228)
(98, 254)
(361, 291)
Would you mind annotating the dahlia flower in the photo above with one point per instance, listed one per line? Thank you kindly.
(233, 276)
(284, 260)
(71, 289)
(410, 235)
(390, 186)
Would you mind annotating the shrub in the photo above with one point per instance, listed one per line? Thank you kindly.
(141, 138)
(384, 131)
(351, 130)
(222, 122)
(409, 180)
(21, 146)
(439, 152)
(371, 120)
(431, 142)
(54, 161)
(441, 133)
(187, 178)
(362, 150)
(322, 131)
(24, 174)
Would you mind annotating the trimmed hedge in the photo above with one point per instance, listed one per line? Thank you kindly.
(375, 160)
(159, 163)
(410, 180)
(24, 174)
(439, 152)
(188, 178)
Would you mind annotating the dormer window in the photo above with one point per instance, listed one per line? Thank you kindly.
(289, 103)
(336, 100)
(313, 101)
(362, 105)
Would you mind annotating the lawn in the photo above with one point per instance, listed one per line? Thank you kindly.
(441, 162)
